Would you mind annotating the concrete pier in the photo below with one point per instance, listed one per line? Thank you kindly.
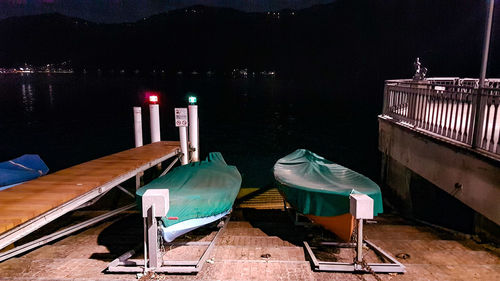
(430, 167)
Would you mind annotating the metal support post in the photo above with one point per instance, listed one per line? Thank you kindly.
(154, 115)
(184, 145)
(138, 138)
(138, 126)
(181, 121)
(359, 254)
(152, 239)
(193, 132)
(479, 114)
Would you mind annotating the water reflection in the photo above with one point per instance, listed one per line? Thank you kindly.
(27, 94)
(51, 97)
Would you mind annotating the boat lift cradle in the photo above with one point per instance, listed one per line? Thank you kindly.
(84, 184)
(155, 204)
(361, 207)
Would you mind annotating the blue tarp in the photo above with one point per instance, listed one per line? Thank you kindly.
(21, 169)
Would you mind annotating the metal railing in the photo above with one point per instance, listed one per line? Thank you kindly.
(452, 108)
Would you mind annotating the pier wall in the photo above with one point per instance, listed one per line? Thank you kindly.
(438, 181)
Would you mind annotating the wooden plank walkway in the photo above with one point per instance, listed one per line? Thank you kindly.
(267, 200)
(29, 200)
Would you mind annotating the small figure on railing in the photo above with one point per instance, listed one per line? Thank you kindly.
(420, 71)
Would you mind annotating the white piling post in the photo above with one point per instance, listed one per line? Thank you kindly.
(154, 115)
(194, 129)
(181, 121)
(138, 126)
(138, 138)
(184, 145)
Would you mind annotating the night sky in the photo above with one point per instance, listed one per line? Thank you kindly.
(112, 11)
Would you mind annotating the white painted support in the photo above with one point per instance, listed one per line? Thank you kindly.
(193, 132)
(361, 207)
(138, 138)
(184, 145)
(145, 222)
(155, 203)
(152, 239)
(138, 126)
(359, 253)
(154, 116)
(158, 198)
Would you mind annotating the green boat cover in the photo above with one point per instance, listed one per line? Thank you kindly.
(316, 186)
(198, 190)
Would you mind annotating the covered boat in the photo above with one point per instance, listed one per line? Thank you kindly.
(200, 193)
(320, 190)
(21, 169)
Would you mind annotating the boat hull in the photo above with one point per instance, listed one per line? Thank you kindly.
(21, 169)
(199, 193)
(320, 190)
(341, 225)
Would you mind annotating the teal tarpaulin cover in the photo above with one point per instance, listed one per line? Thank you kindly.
(199, 189)
(316, 186)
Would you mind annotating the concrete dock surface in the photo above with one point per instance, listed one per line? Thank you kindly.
(257, 245)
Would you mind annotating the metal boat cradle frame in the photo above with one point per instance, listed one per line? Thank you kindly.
(153, 255)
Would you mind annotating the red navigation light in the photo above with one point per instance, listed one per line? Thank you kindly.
(153, 98)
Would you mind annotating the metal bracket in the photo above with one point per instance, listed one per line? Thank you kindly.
(393, 266)
(124, 264)
(61, 233)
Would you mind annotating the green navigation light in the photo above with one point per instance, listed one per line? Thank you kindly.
(192, 99)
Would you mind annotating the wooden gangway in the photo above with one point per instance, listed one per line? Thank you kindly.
(28, 206)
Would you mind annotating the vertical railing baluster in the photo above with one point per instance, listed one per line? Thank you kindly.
(484, 141)
(456, 105)
(460, 132)
(468, 128)
(428, 107)
(446, 115)
(440, 112)
(420, 108)
(434, 112)
(493, 127)
(431, 112)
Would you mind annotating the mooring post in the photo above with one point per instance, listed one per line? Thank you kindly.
(154, 113)
(181, 121)
(138, 126)
(138, 138)
(194, 129)
(154, 120)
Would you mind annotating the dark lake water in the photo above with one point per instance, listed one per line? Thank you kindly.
(71, 118)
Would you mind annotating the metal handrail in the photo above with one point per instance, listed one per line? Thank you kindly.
(451, 108)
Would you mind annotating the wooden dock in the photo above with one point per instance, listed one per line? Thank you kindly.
(28, 206)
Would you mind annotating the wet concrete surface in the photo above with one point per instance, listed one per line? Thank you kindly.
(258, 245)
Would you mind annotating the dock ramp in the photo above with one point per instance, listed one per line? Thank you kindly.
(29, 206)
